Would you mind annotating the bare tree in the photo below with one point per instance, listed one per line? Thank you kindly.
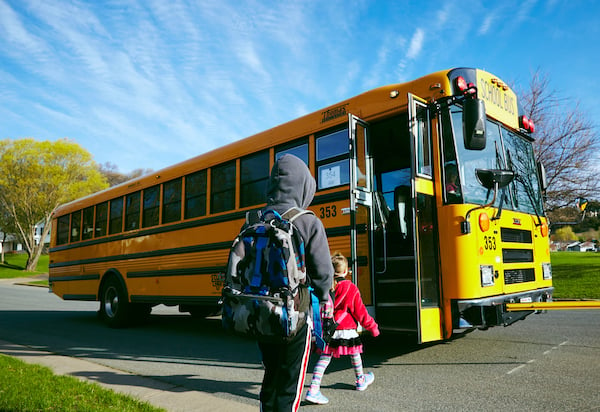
(114, 177)
(566, 141)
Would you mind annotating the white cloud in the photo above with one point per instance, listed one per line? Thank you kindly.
(416, 44)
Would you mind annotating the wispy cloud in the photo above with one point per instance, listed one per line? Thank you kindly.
(416, 44)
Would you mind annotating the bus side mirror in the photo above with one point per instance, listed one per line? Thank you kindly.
(494, 178)
(474, 124)
(542, 175)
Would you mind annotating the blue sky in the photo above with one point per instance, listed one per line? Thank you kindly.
(146, 84)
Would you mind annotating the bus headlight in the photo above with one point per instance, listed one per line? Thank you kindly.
(547, 271)
(487, 275)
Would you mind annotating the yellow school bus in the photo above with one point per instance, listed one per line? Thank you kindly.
(429, 187)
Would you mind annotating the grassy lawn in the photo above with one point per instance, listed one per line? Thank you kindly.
(576, 275)
(48, 392)
(14, 265)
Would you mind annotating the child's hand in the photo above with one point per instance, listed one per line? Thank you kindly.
(375, 332)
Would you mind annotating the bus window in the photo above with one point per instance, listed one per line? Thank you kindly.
(88, 223)
(195, 194)
(452, 187)
(298, 150)
(76, 226)
(151, 206)
(423, 146)
(171, 201)
(132, 211)
(116, 216)
(62, 230)
(254, 177)
(222, 183)
(333, 166)
(101, 219)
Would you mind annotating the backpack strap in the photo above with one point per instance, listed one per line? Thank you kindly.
(292, 213)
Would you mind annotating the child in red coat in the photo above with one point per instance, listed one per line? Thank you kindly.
(349, 311)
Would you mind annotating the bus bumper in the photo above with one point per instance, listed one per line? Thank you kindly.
(486, 312)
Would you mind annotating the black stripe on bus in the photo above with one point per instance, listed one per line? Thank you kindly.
(80, 297)
(186, 225)
(149, 254)
(94, 276)
(176, 272)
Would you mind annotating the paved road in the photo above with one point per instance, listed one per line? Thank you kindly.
(546, 362)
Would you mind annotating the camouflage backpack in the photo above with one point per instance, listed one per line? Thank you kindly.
(265, 296)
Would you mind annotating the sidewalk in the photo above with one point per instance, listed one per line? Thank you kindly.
(158, 393)
(161, 394)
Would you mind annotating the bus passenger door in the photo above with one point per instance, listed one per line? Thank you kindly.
(424, 225)
(361, 202)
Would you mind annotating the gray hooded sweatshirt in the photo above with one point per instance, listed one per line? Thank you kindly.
(292, 185)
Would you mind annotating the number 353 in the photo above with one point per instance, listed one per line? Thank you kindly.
(327, 211)
(490, 242)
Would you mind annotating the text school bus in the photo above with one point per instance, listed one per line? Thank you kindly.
(430, 187)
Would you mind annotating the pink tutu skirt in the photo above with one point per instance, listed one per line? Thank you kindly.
(344, 342)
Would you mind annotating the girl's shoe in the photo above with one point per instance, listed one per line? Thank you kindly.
(364, 381)
(317, 398)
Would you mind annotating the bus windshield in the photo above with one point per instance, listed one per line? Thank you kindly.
(504, 150)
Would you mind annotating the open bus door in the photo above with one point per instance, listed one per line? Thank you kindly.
(424, 225)
(361, 203)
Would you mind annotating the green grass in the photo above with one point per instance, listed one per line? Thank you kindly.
(14, 266)
(576, 275)
(25, 387)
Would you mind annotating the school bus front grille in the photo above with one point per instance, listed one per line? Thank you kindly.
(513, 276)
(517, 255)
(510, 235)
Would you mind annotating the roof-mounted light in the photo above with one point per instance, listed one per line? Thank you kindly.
(527, 124)
(460, 83)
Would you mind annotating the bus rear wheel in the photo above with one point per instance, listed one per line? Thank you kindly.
(115, 310)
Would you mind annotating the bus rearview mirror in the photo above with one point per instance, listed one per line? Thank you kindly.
(474, 124)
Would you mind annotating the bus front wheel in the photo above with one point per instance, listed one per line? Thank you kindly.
(114, 306)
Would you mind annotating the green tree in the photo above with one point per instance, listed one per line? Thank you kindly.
(565, 234)
(36, 177)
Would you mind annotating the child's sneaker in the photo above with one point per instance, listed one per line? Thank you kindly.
(317, 398)
(364, 381)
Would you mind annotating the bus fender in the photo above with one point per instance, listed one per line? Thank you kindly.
(112, 272)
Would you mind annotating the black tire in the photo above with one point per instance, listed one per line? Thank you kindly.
(115, 309)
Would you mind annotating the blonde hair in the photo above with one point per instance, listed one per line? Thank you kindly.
(340, 265)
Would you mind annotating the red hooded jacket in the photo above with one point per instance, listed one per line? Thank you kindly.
(348, 300)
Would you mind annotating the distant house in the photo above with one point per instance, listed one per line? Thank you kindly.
(587, 247)
(574, 247)
(9, 243)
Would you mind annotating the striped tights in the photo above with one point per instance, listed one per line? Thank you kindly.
(323, 363)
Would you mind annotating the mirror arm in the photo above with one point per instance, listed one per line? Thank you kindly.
(465, 225)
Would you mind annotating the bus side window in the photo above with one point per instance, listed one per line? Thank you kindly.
(171, 211)
(76, 226)
(62, 230)
(132, 211)
(101, 219)
(151, 206)
(333, 165)
(116, 216)
(298, 149)
(195, 195)
(222, 188)
(88, 223)
(254, 177)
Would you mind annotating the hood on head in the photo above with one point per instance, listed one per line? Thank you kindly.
(290, 183)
